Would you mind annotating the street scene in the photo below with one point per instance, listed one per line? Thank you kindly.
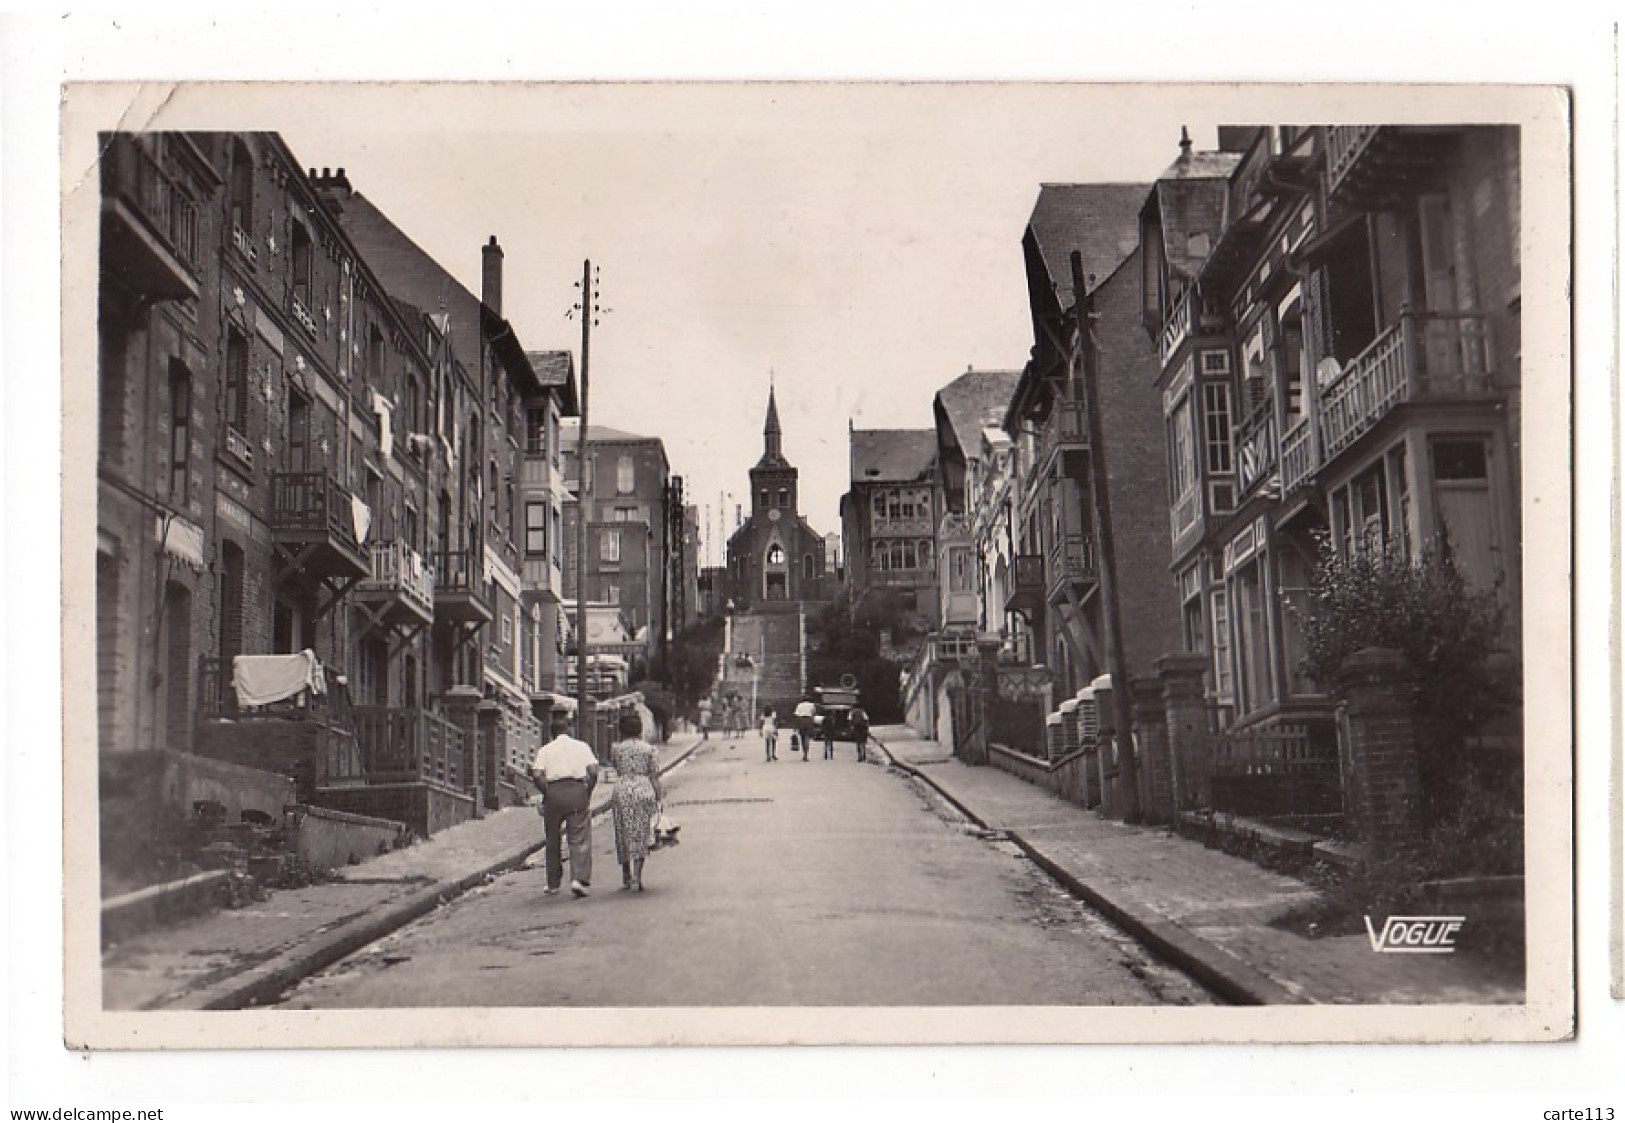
(1161, 648)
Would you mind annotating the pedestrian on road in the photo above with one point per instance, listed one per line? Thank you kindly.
(770, 735)
(566, 771)
(637, 794)
(860, 731)
(705, 721)
(806, 711)
(828, 723)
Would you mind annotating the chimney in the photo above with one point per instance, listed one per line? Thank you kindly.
(491, 278)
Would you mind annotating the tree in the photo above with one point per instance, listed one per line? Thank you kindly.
(1446, 631)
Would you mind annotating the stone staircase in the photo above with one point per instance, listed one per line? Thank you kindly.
(776, 674)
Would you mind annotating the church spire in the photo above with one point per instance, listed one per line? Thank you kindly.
(771, 433)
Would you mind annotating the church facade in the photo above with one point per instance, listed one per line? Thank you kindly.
(775, 555)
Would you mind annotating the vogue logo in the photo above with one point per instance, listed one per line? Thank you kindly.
(1416, 935)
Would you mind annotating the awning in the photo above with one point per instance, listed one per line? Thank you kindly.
(181, 540)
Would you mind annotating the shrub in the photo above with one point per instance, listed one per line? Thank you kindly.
(1446, 632)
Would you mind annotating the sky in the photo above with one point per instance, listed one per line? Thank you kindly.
(856, 247)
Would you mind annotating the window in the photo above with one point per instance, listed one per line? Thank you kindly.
(1252, 641)
(625, 476)
(1190, 591)
(1468, 527)
(784, 497)
(298, 431)
(536, 529)
(775, 554)
(1216, 418)
(496, 496)
(536, 432)
(609, 546)
(1222, 678)
(1181, 453)
(299, 253)
(558, 536)
(242, 189)
(626, 514)
(237, 381)
(612, 594)
(180, 434)
(807, 567)
(507, 628)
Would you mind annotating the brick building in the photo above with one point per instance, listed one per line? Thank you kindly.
(291, 425)
(1056, 577)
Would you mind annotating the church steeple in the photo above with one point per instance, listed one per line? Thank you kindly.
(771, 434)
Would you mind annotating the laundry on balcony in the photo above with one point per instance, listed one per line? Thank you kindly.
(262, 680)
(385, 409)
(361, 516)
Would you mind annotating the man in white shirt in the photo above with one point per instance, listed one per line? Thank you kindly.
(566, 771)
(806, 710)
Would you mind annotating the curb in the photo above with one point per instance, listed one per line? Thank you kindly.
(1213, 967)
(264, 982)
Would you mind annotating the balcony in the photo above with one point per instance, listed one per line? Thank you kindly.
(1255, 452)
(406, 746)
(459, 588)
(1297, 456)
(1027, 588)
(916, 526)
(1072, 566)
(302, 315)
(150, 228)
(1432, 358)
(1064, 439)
(401, 587)
(1371, 165)
(1189, 319)
(320, 523)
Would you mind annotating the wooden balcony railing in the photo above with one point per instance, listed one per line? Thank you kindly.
(399, 570)
(311, 507)
(409, 745)
(1071, 559)
(1180, 324)
(917, 526)
(1344, 143)
(1255, 452)
(217, 698)
(130, 173)
(1420, 357)
(1297, 455)
(1065, 430)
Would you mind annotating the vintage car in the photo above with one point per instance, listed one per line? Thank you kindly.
(835, 706)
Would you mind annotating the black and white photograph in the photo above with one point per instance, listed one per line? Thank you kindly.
(774, 563)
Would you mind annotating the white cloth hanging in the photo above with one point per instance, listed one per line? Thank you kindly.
(261, 680)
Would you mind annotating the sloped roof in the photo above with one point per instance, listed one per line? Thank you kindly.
(557, 370)
(1191, 197)
(601, 434)
(1099, 220)
(975, 400)
(892, 455)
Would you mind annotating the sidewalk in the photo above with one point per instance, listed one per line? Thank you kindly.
(1203, 910)
(239, 957)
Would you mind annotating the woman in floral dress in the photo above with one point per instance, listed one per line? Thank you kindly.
(637, 794)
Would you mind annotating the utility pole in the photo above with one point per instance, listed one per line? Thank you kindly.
(588, 308)
(1128, 786)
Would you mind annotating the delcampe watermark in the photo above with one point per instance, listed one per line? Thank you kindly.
(1416, 935)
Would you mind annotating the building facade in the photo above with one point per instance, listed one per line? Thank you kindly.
(1341, 365)
(1055, 580)
(889, 521)
(289, 460)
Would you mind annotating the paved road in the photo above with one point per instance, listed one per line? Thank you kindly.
(796, 884)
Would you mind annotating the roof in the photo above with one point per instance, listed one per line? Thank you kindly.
(603, 434)
(975, 400)
(412, 275)
(1099, 220)
(556, 370)
(892, 455)
(1190, 200)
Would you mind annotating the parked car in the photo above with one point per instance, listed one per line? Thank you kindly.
(835, 706)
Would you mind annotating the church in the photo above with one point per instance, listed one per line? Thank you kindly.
(775, 555)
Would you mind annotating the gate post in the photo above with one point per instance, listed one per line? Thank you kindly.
(462, 708)
(1185, 725)
(982, 694)
(1151, 744)
(1109, 750)
(1384, 771)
